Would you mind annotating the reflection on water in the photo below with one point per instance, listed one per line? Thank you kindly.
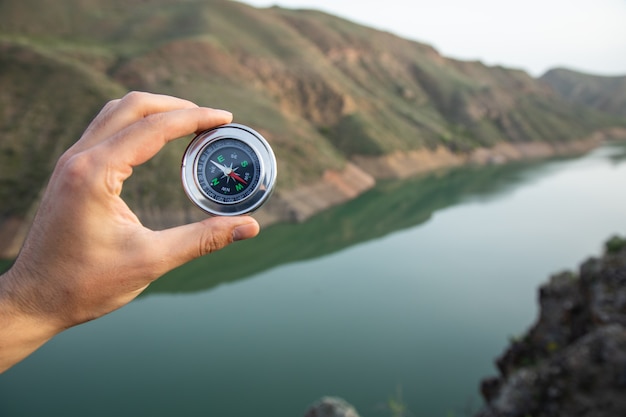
(617, 153)
(5, 264)
(391, 206)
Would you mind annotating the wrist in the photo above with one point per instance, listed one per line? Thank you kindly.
(23, 329)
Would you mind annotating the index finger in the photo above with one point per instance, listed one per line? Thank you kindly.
(121, 113)
(142, 140)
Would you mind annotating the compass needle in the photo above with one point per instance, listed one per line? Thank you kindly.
(234, 176)
(222, 167)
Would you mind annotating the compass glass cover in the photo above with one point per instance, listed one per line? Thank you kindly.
(228, 171)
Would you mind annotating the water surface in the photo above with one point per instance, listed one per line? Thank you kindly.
(415, 288)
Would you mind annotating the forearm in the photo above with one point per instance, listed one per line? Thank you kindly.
(21, 331)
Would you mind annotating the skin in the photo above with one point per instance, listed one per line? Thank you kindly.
(87, 253)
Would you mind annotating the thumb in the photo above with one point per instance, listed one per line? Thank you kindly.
(184, 243)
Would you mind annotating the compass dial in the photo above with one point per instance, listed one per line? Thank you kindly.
(229, 170)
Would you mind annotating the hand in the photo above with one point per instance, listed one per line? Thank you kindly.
(87, 253)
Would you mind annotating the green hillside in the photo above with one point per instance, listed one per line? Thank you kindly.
(45, 104)
(321, 89)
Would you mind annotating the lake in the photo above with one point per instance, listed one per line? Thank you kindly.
(408, 293)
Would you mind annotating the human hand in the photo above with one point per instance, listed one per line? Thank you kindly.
(87, 253)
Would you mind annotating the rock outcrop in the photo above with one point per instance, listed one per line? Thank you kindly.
(331, 407)
(572, 362)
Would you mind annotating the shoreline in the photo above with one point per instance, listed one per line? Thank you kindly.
(363, 172)
(360, 174)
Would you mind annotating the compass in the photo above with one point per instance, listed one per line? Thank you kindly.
(229, 170)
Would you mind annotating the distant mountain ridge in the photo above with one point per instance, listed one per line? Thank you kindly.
(604, 93)
(342, 104)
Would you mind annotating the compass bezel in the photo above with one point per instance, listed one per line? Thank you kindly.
(261, 190)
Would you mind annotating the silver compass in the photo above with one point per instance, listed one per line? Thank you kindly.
(229, 170)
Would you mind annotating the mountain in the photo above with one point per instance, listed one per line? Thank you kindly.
(607, 94)
(341, 104)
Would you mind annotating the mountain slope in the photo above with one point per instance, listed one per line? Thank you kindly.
(330, 95)
(45, 104)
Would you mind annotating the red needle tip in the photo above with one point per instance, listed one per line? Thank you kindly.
(237, 177)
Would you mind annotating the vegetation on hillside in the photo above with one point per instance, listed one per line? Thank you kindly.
(45, 103)
(320, 88)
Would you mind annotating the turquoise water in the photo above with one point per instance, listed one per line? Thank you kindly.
(415, 288)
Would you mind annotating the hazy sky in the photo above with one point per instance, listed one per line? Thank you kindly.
(534, 35)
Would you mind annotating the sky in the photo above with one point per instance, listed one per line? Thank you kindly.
(533, 35)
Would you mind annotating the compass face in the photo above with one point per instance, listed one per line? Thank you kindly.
(228, 171)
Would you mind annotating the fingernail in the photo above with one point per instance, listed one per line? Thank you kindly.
(245, 231)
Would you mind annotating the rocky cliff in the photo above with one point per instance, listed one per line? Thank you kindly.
(572, 362)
